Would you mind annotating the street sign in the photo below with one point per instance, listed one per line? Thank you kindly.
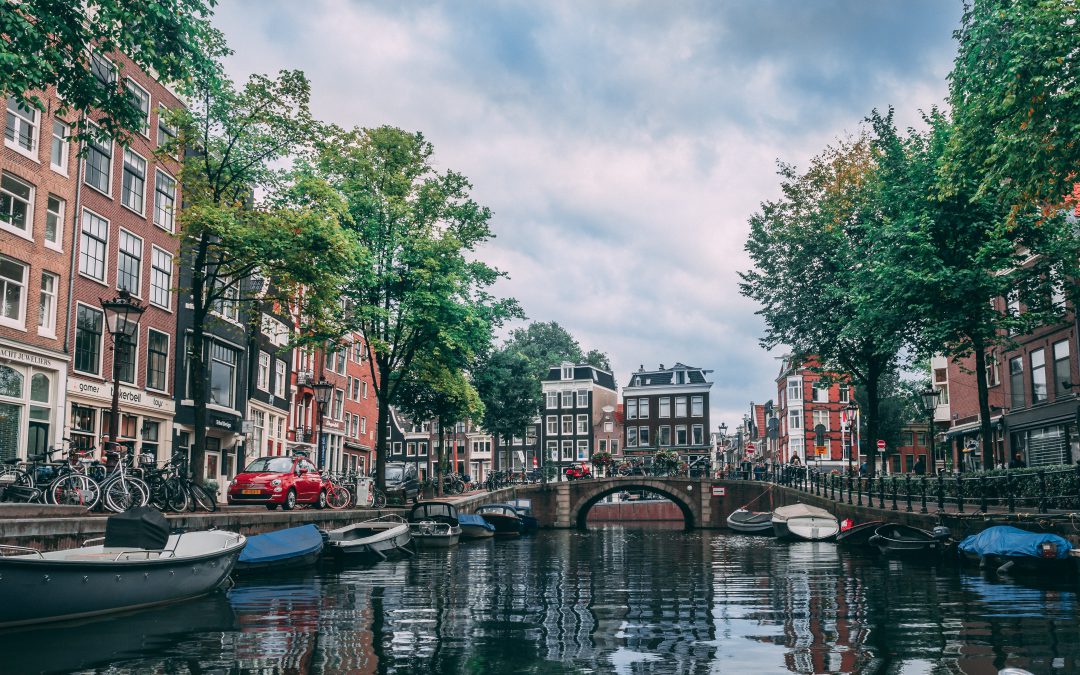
(719, 491)
(750, 448)
(881, 445)
(821, 450)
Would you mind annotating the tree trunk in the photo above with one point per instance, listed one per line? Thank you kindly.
(986, 431)
(196, 358)
(873, 380)
(384, 425)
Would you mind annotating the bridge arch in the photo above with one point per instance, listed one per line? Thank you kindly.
(683, 493)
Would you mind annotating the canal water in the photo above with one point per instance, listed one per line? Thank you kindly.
(610, 600)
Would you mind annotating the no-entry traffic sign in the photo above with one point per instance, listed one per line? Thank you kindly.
(749, 448)
(881, 445)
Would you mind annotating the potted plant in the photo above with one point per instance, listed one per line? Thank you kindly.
(665, 463)
(427, 488)
(602, 460)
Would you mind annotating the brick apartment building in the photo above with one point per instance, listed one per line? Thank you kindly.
(807, 399)
(668, 408)
(575, 396)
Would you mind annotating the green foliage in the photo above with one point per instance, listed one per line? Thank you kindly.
(1015, 95)
(665, 462)
(47, 44)
(547, 344)
(509, 390)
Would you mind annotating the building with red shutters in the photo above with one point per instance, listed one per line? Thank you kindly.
(812, 419)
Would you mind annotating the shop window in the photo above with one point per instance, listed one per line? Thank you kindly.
(11, 382)
(39, 388)
(83, 426)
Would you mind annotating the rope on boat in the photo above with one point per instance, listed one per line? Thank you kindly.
(767, 491)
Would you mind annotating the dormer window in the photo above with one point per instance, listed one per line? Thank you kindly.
(567, 372)
(680, 377)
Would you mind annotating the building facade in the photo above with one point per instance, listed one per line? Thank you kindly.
(574, 397)
(668, 408)
(813, 424)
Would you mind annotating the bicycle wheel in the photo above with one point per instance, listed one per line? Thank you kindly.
(337, 497)
(74, 489)
(203, 499)
(9, 475)
(122, 493)
(176, 495)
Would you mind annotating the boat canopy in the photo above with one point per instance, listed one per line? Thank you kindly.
(474, 520)
(800, 511)
(498, 510)
(281, 544)
(1004, 540)
(440, 511)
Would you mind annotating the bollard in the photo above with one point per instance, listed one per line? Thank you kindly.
(895, 484)
(832, 486)
(922, 494)
(859, 488)
(1009, 490)
(982, 496)
(849, 481)
(959, 494)
(881, 492)
(1042, 491)
(941, 492)
(907, 488)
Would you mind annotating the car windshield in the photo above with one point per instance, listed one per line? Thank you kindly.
(270, 465)
(394, 473)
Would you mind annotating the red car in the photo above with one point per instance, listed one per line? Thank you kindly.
(273, 481)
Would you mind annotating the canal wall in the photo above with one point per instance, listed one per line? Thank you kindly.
(650, 510)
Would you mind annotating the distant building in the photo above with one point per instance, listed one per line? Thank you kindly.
(668, 408)
(575, 396)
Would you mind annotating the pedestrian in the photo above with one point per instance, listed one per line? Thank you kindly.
(920, 466)
(863, 470)
(1018, 462)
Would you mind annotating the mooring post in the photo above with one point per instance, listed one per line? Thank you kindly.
(881, 492)
(858, 487)
(907, 488)
(922, 494)
(849, 489)
(941, 491)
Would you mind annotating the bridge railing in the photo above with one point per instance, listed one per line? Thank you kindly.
(1004, 490)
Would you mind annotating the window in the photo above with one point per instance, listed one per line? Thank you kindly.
(140, 98)
(553, 450)
(568, 450)
(58, 157)
(133, 188)
(88, 340)
(609, 427)
(582, 449)
(129, 263)
(697, 406)
(795, 419)
(12, 292)
(262, 380)
(552, 425)
(16, 205)
(643, 437)
(54, 220)
(222, 374)
(643, 408)
(680, 406)
(1016, 383)
(98, 171)
(339, 403)
(530, 435)
(797, 445)
(821, 392)
(663, 436)
(103, 69)
(567, 425)
(227, 306)
(631, 437)
(165, 133)
(568, 399)
(583, 398)
(631, 409)
(568, 372)
(1061, 368)
(845, 393)
(697, 434)
(157, 360)
(20, 132)
(164, 200)
(821, 417)
(614, 446)
(1038, 376)
(991, 370)
(680, 434)
(95, 234)
(363, 425)
(794, 389)
(161, 264)
(665, 407)
(410, 449)
(279, 378)
(363, 389)
(47, 305)
(125, 357)
(582, 424)
(551, 400)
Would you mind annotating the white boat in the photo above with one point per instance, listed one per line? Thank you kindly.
(371, 540)
(434, 524)
(802, 521)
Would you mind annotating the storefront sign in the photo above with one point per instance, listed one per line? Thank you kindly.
(17, 356)
(228, 422)
(128, 395)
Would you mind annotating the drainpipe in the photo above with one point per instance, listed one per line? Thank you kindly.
(74, 240)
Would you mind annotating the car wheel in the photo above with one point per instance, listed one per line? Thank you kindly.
(271, 507)
(290, 500)
(321, 504)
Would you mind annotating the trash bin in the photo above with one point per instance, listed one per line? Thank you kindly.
(363, 491)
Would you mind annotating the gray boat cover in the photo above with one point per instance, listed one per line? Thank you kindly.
(800, 510)
(140, 527)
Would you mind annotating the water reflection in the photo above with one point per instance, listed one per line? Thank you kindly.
(611, 599)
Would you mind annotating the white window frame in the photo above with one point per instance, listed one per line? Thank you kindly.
(130, 84)
(137, 291)
(697, 434)
(164, 217)
(795, 419)
(20, 322)
(21, 120)
(664, 407)
(280, 373)
(582, 424)
(104, 246)
(631, 408)
(643, 408)
(821, 392)
(134, 353)
(631, 437)
(47, 323)
(697, 406)
(552, 425)
(583, 398)
(566, 427)
(794, 389)
(681, 404)
(139, 208)
(55, 244)
(644, 437)
(262, 377)
(65, 147)
(108, 176)
(681, 429)
(567, 398)
(582, 449)
(339, 403)
(157, 270)
(567, 451)
(28, 233)
(101, 339)
(822, 417)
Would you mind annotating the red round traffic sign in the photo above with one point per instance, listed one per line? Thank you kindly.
(881, 445)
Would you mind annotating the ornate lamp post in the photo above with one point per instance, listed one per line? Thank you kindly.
(122, 315)
(722, 438)
(851, 409)
(929, 398)
(323, 390)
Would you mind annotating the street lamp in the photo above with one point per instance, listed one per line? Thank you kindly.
(929, 398)
(323, 390)
(722, 452)
(122, 315)
(851, 409)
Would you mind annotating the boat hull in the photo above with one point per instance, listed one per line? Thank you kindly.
(806, 528)
(750, 522)
(305, 560)
(476, 532)
(378, 545)
(859, 535)
(435, 535)
(902, 540)
(39, 590)
(504, 526)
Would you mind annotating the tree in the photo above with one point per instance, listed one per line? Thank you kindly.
(898, 406)
(44, 43)
(814, 254)
(547, 344)
(1014, 92)
(242, 219)
(507, 384)
(421, 291)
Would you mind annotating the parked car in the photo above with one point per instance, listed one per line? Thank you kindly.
(402, 483)
(278, 481)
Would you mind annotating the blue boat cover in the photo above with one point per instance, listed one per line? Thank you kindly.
(1011, 541)
(473, 519)
(282, 544)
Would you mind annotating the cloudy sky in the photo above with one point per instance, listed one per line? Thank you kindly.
(621, 145)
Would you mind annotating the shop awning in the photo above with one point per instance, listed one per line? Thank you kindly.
(971, 428)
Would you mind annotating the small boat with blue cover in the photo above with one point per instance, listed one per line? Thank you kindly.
(475, 527)
(288, 549)
(529, 523)
(1010, 549)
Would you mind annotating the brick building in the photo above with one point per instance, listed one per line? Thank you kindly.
(807, 399)
(574, 398)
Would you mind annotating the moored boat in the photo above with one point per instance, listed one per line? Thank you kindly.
(529, 523)
(904, 540)
(750, 522)
(137, 564)
(1010, 549)
(802, 521)
(475, 527)
(504, 517)
(434, 524)
(858, 534)
(288, 549)
(371, 540)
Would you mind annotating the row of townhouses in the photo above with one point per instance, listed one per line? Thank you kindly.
(80, 227)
